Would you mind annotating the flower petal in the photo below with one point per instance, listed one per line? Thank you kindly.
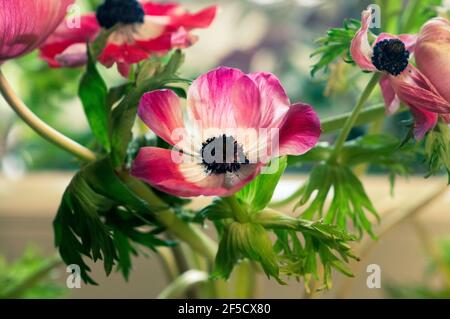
(409, 40)
(360, 47)
(157, 167)
(209, 98)
(26, 24)
(414, 89)
(274, 100)
(300, 131)
(423, 121)
(64, 47)
(391, 99)
(246, 102)
(160, 9)
(201, 19)
(432, 54)
(180, 17)
(160, 110)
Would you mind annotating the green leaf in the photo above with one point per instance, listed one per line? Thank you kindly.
(245, 241)
(115, 94)
(79, 230)
(437, 150)
(93, 94)
(101, 218)
(288, 256)
(104, 180)
(124, 115)
(218, 209)
(334, 45)
(259, 192)
(124, 250)
(349, 201)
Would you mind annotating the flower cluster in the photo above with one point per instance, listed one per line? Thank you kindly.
(138, 31)
(221, 136)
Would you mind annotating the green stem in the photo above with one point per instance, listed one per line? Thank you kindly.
(413, 8)
(40, 126)
(192, 235)
(350, 122)
(239, 214)
(183, 283)
(367, 115)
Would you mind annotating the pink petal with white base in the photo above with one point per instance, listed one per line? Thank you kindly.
(161, 111)
(157, 167)
(209, 98)
(274, 100)
(246, 101)
(300, 131)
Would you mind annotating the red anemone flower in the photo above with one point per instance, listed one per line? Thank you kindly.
(234, 123)
(141, 29)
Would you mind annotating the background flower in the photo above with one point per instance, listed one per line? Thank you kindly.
(147, 28)
(25, 24)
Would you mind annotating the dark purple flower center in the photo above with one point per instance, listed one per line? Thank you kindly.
(112, 12)
(390, 55)
(222, 154)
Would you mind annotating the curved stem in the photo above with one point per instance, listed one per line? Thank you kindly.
(40, 126)
(183, 283)
(367, 115)
(350, 122)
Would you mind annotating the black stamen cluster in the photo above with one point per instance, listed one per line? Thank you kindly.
(112, 12)
(222, 154)
(390, 55)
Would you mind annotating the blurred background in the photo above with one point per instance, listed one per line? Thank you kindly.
(276, 36)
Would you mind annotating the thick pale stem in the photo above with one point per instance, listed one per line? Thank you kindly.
(39, 126)
(190, 234)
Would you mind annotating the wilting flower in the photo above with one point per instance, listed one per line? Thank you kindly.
(432, 54)
(141, 30)
(401, 81)
(25, 24)
(234, 124)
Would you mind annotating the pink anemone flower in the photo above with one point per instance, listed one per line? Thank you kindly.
(25, 24)
(432, 55)
(232, 125)
(141, 29)
(401, 81)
